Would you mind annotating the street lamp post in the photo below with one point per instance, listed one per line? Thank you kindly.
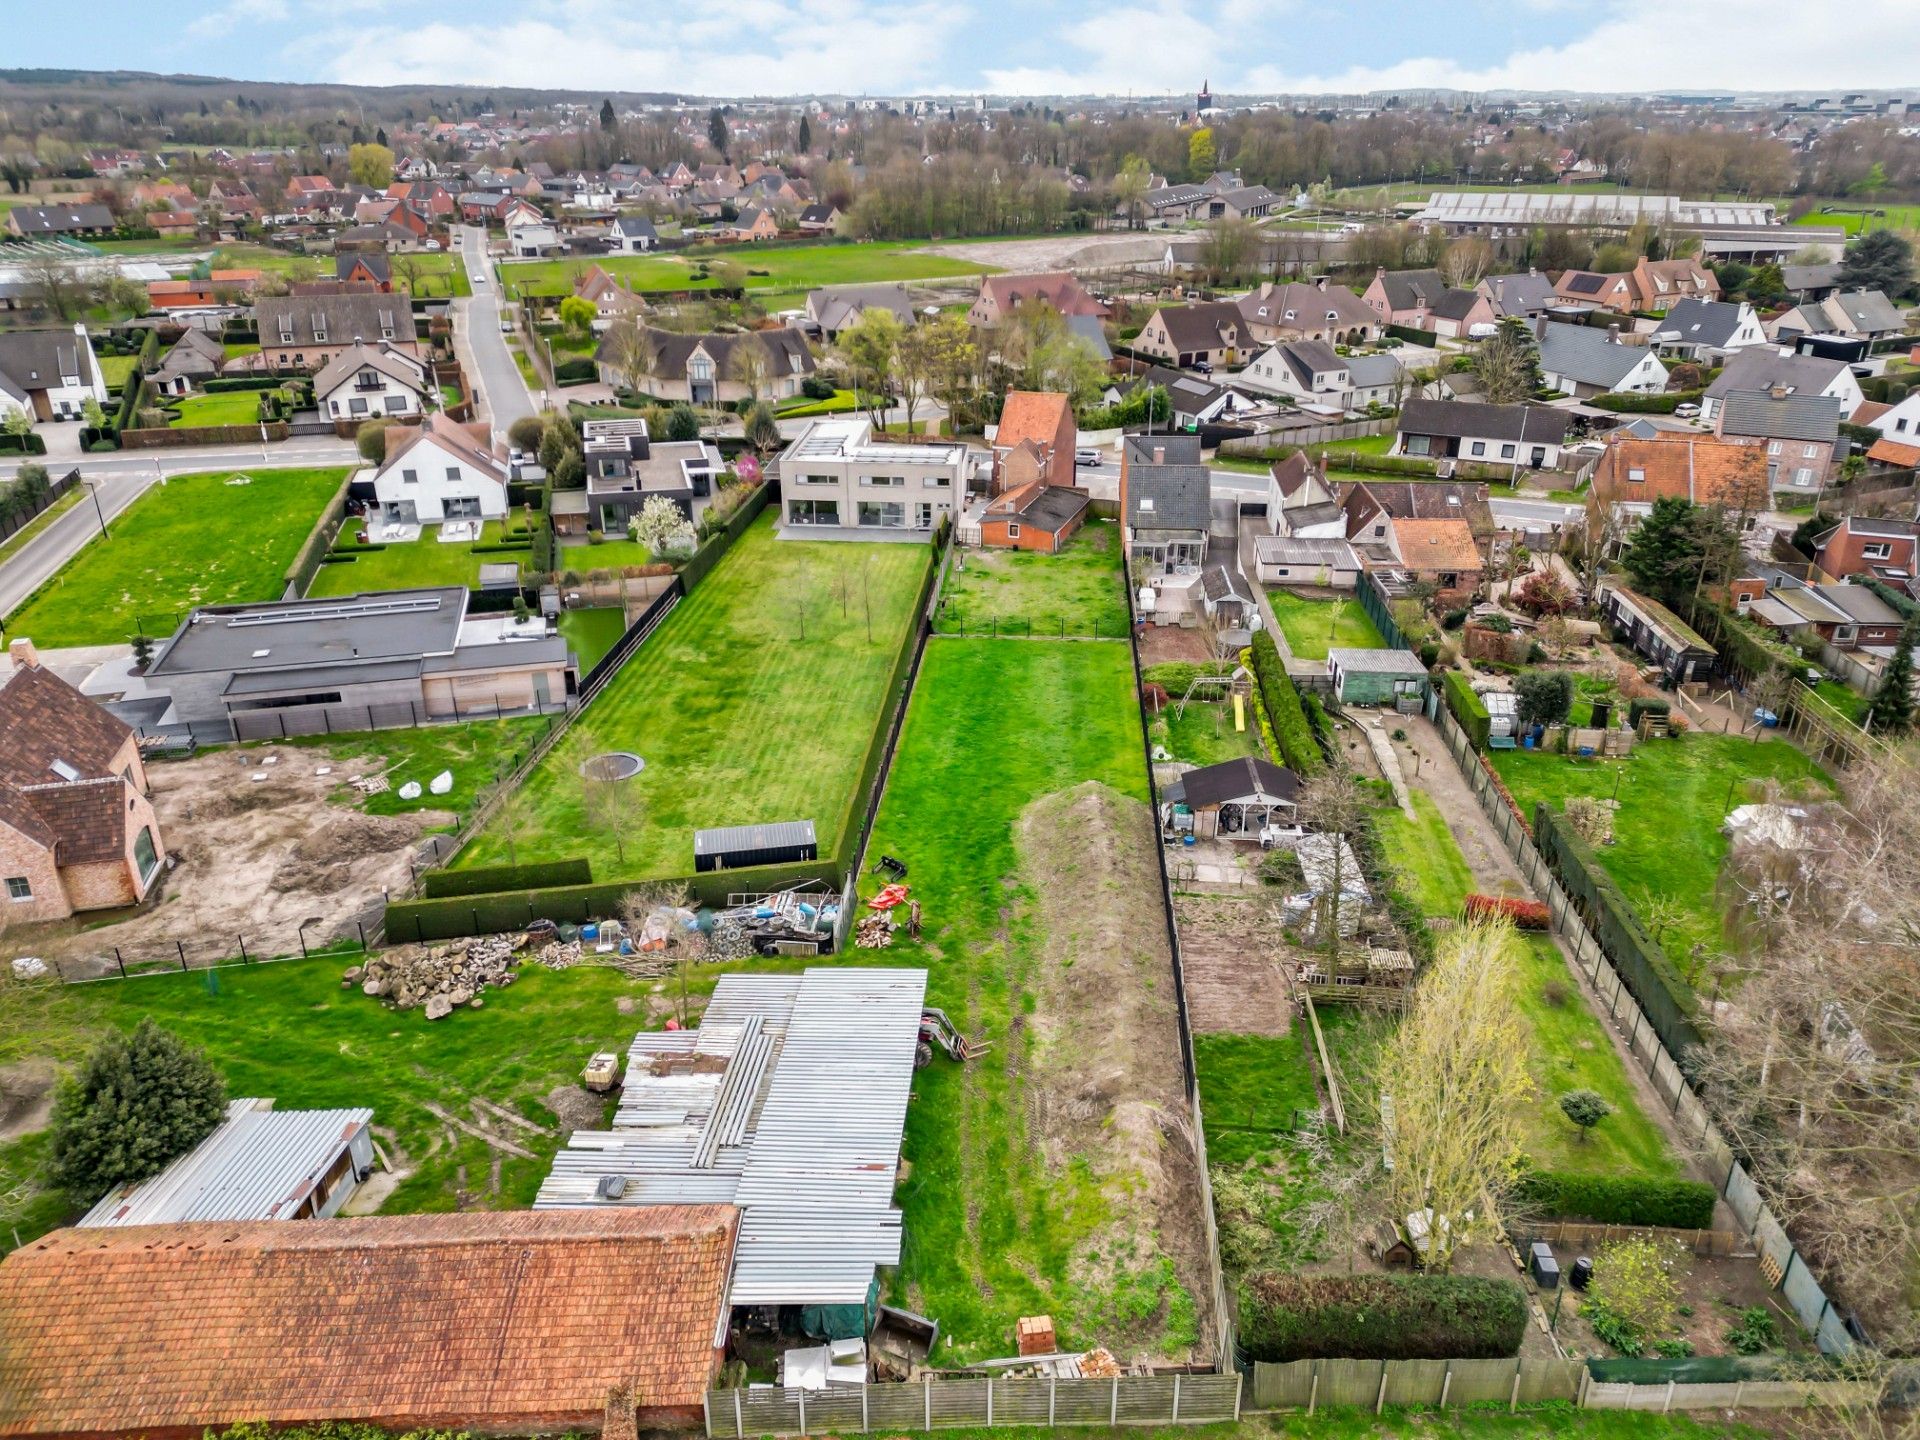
(93, 489)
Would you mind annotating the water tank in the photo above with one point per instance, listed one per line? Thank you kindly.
(1582, 1273)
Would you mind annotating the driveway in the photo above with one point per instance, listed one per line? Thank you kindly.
(476, 328)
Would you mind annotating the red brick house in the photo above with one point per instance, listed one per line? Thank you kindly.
(1034, 441)
(1860, 546)
(77, 831)
(517, 1323)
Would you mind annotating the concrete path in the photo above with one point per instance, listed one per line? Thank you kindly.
(1383, 752)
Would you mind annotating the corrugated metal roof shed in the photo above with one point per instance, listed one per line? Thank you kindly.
(259, 1164)
(789, 1101)
(1377, 662)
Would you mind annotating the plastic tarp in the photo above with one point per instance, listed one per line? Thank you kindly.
(842, 1322)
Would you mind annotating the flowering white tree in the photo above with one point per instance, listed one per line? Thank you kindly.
(660, 526)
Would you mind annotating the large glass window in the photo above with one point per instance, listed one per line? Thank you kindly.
(883, 514)
(145, 857)
(813, 512)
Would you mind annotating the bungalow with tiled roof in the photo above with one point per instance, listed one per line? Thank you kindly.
(1000, 295)
(77, 831)
(1206, 333)
(529, 1322)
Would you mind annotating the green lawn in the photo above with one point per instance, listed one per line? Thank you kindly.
(238, 349)
(114, 369)
(792, 267)
(1253, 1088)
(425, 561)
(992, 1231)
(607, 555)
(755, 701)
(1432, 872)
(434, 276)
(593, 632)
(1313, 627)
(1673, 795)
(478, 752)
(1203, 733)
(1081, 591)
(1854, 218)
(229, 407)
(195, 540)
(1844, 698)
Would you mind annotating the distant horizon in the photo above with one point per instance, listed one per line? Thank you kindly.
(763, 50)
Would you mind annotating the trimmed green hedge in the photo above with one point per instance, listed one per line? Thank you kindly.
(1903, 603)
(1468, 708)
(1617, 1199)
(31, 443)
(574, 372)
(223, 385)
(1646, 705)
(449, 917)
(1643, 966)
(1380, 1317)
(1413, 337)
(486, 879)
(1282, 704)
(1625, 404)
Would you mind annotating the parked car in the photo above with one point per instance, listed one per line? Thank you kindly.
(1088, 457)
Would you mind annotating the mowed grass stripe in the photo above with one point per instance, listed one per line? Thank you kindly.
(194, 540)
(754, 702)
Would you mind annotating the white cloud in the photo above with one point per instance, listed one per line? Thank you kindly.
(237, 12)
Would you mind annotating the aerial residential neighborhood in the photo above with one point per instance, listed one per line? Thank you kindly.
(913, 739)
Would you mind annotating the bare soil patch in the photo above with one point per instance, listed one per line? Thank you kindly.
(1234, 985)
(1161, 643)
(576, 1109)
(26, 1096)
(1106, 1076)
(255, 859)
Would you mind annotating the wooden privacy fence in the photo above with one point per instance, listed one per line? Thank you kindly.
(1718, 1243)
(1436, 1384)
(1730, 1395)
(972, 1404)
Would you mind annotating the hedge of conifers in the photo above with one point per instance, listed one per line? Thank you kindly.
(1643, 966)
(1380, 1317)
(1282, 704)
(1468, 708)
(490, 879)
(1616, 1199)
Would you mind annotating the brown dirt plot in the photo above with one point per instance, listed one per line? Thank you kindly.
(1107, 1077)
(1234, 985)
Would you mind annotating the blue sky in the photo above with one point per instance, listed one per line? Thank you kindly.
(743, 47)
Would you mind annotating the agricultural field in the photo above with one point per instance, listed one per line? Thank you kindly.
(199, 539)
(428, 274)
(792, 268)
(1046, 1177)
(426, 561)
(1670, 798)
(1079, 592)
(1314, 626)
(755, 701)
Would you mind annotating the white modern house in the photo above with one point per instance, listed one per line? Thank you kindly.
(1312, 372)
(371, 381)
(49, 374)
(837, 476)
(440, 472)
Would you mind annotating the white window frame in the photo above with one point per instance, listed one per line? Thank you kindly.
(1877, 550)
(19, 889)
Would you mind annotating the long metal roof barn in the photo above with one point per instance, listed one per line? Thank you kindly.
(789, 1101)
(259, 1164)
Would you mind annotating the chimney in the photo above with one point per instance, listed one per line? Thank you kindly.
(1320, 283)
(1159, 458)
(1613, 334)
(25, 657)
(1531, 270)
(1779, 391)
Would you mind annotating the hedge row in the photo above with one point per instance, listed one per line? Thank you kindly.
(486, 879)
(1643, 966)
(1380, 1317)
(31, 443)
(1525, 914)
(1903, 603)
(1468, 708)
(1646, 705)
(225, 384)
(1282, 704)
(574, 372)
(499, 547)
(451, 916)
(1625, 404)
(1413, 337)
(1616, 1199)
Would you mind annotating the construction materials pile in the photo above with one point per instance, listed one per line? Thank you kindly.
(437, 978)
(873, 932)
(796, 921)
(559, 954)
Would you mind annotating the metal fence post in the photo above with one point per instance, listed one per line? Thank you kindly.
(1176, 1397)
(1113, 1403)
(801, 1395)
(243, 949)
(989, 1402)
(183, 953)
(739, 1424)
(1053, 1388)
(926, 1395)
(119, 960)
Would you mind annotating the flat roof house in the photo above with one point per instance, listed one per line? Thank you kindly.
(359, 662)
(626, 467)
(77, 831)
(838, 476)
(512, 1323)
(259, 1164)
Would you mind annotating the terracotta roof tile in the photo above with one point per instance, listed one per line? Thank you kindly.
(1033, 415)
(45, 719)
(1892, 452)
(1437, 544)
(510, 1321)
(1682, 466)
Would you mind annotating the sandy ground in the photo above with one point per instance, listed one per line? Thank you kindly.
(1059, 252)
(256, 859)
(1107, 1087)
(1234, 985)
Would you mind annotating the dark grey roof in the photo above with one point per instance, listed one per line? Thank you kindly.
(1799, 278)
(1870, 312)
(1052, 506)
(1461, 419)
(1200, 326)
(1791, 417)
(1410, 289)
(1233, 780)
(61, 219)
(1162, 449)
(194, 355)
(1377, 662)
(635, 227)
(376, 262)
(1175, 495)
(1761, 367)
(1089, 329)
(37, 359)
(1220, 584)
(372, 672)
(341, 318)
(1371, 370)
(1519, 294)
(1455, 304)
(786, 349)
(1587, 354)
(1860, 603)
(731, 839)
(353, 631)
(1306, 358)
(1702, 322)
(550, 650)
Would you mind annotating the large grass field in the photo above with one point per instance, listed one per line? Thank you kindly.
(1079, 592)
(1672, 797)
(992, 1232)
(787, 267)
(755, 701)
(1570, 1050)
(1858, 216)
(436, 276)
(425, 561)
(1313, 627)
(194, 540)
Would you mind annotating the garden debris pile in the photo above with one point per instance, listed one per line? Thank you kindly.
(437, 978)
(874, 932)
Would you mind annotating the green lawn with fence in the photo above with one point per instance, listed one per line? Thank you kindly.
(754, 702)
(1079, 592)
(353, 568)
(1314, 626)
(227, 407)
(201, 539)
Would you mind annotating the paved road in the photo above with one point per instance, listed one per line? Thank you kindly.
(118, 480)
(502, 390)
(1520, 514)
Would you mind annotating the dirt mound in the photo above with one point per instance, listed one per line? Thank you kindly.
(1108, 1085)
(26, 1096)
(334, 850)
(577, 1109)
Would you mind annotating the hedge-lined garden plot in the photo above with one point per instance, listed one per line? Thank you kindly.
(1049, 1176)
(215, 538)
(1313, 626)
(1672, 796)
(1078, 593)
(754, 702)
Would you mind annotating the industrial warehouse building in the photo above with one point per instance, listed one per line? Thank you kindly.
(788, 1101)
